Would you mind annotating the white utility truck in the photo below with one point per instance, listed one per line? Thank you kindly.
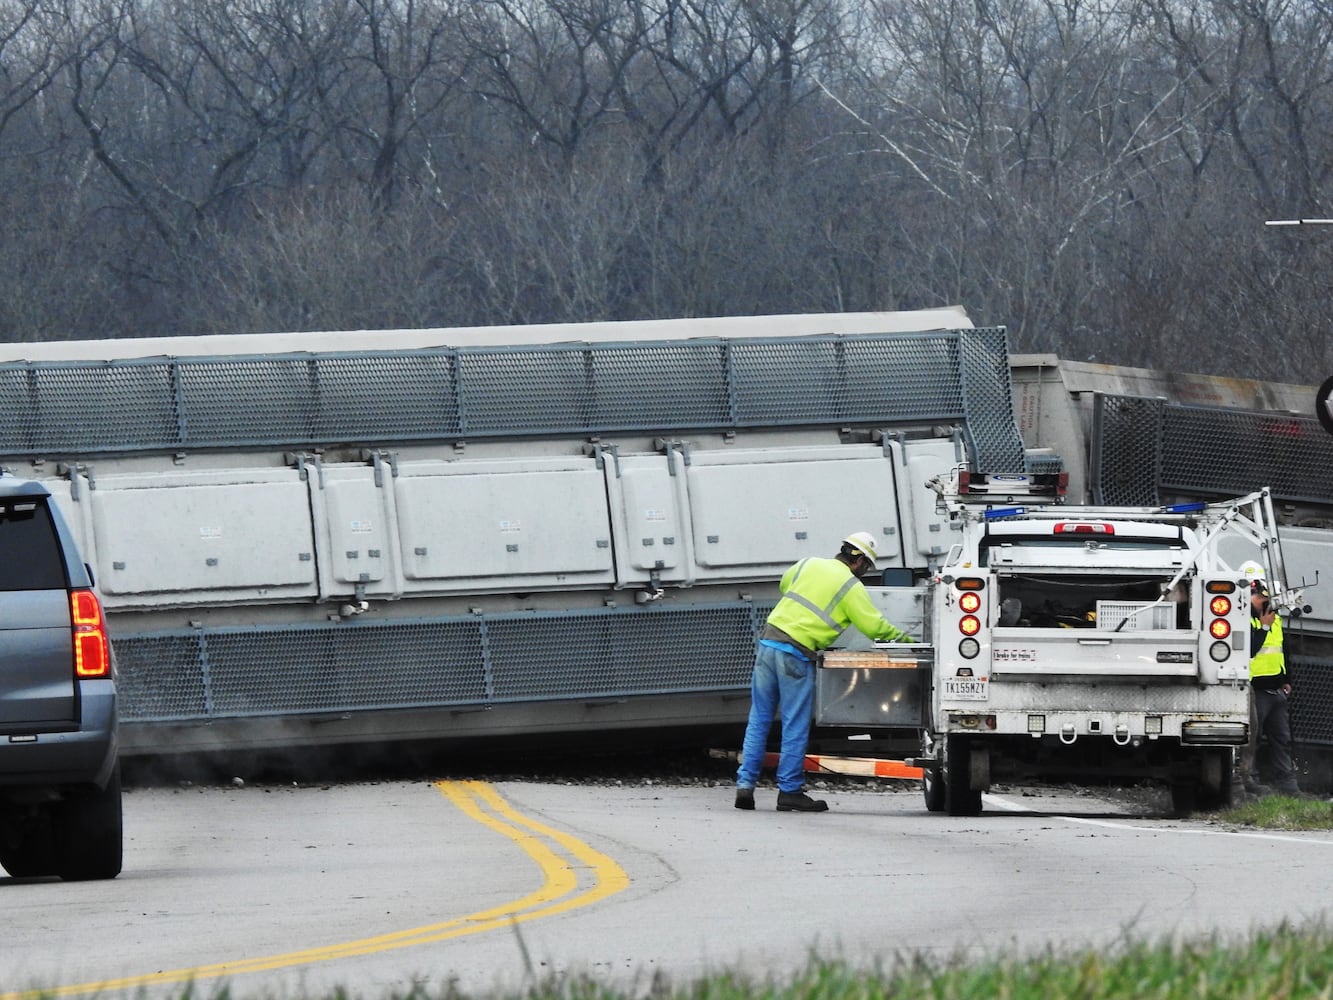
(1079, 644)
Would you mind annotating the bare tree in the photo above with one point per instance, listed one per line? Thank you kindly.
(559, 67)
(330, 259)
(29, 54)
(1038, 131)
(1092, 175)
(408, 64)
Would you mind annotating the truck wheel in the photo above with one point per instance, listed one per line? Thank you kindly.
(89, 833)
(932, 782)
(1184, 797)
(1215, 768)
(961, 798)
(1206, 786)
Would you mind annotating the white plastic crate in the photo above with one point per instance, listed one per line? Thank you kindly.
(1111, 613)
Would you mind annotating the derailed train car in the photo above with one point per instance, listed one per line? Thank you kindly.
(373, 537)
(385, 536)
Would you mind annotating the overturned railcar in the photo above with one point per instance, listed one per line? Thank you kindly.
(380, 536)
(394, 535)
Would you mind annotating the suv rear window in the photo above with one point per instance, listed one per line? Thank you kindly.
(30, 557)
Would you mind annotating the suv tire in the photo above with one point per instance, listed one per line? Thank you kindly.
(88, 833)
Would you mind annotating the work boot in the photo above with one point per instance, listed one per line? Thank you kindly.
(1258, 788)
(800, 802)
(745, 798)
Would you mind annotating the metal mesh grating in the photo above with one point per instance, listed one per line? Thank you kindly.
(45, 409)
(1231, 452)
(855, 379)
(1312, 704)
(242, 399)
(1126, 457)
(1141, 445)
(316, 669)
(308, 399)
(988, 394)
(322, 668)
(159, 677)
(1045, 463)
(596, 654)
(473, 660)
(584, 389)
(380, 397)
(662, 385)
(415, 396)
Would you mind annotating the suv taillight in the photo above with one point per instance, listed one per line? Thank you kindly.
(92, 654)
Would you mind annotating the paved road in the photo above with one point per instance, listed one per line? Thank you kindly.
(374, 886)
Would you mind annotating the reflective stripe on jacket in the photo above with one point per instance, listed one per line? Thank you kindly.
(820, 598)
(1269, 661)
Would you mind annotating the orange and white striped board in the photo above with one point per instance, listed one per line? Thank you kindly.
(864, 767)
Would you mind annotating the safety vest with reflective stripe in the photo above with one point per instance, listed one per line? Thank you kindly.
(820, 598)
(1269, 661)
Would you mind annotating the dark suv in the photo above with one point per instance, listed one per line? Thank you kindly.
(59, 774)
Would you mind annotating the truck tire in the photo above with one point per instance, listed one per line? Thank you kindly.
(961, 798)
(932, 779)
(1206, 787)
(1215, 789)
(1184, 797)
(89, 833)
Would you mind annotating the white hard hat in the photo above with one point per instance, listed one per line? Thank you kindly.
(1254, 573)
(864, 542)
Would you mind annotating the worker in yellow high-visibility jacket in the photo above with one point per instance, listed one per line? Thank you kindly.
(1270, 689)
(820, 599)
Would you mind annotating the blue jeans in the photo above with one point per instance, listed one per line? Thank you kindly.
(782, 681)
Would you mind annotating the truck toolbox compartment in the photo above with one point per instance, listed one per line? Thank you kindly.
(869, 688)
(1045, 654)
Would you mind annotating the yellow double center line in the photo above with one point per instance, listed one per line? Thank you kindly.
(558, 893)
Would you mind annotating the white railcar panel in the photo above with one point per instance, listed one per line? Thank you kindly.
(770, 508)
(904, 606)
(1308, 554)
(75, 512)
(649, 530)
(926, 532)
(358, 528)
(506, 521)
(177, 535)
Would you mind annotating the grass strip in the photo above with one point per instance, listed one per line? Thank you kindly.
(1282, 963)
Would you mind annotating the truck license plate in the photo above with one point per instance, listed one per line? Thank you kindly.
(966, 688)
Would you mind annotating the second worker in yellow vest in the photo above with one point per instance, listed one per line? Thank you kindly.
(1270, 690)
